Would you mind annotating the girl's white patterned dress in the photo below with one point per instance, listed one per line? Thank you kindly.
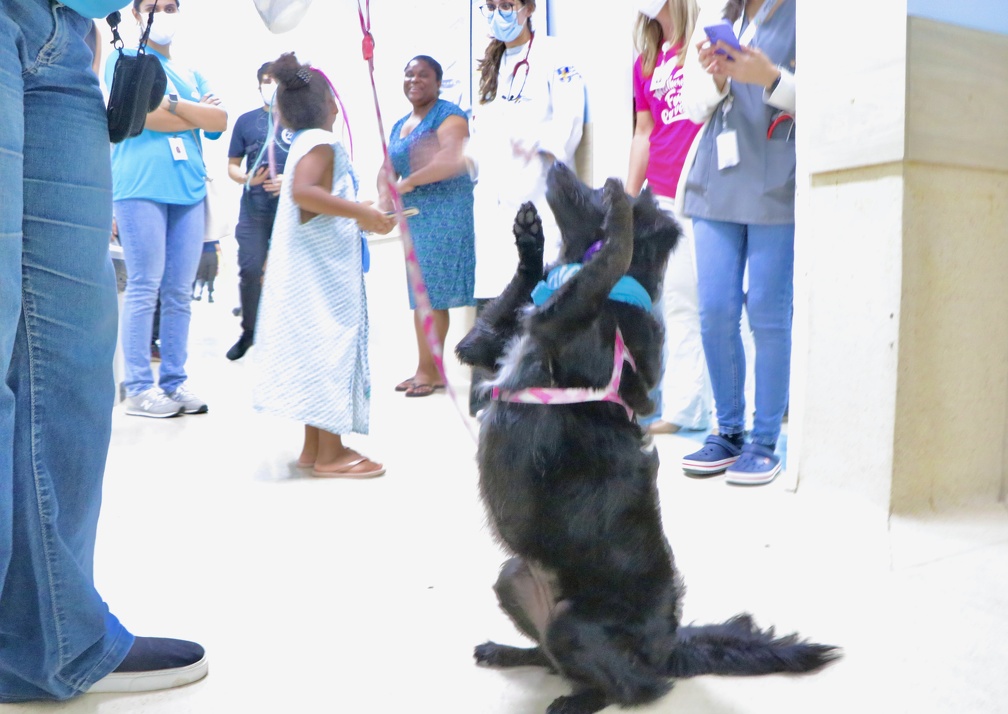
(311, 335)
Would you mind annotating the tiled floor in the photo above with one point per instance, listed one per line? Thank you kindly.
(361, 597)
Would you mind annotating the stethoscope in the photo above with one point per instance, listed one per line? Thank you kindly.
(511, 96)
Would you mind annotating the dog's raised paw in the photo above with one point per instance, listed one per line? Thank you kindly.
(619, 214)
(529, 235)
(487, 654)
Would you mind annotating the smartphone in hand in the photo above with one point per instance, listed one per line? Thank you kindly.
(722, 31)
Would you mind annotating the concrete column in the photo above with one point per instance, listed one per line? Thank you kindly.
(900, 370)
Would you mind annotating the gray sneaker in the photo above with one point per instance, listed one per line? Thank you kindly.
(152, 403)
(190, 403)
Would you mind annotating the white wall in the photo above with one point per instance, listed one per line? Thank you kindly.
(986, 15)
(604, 56)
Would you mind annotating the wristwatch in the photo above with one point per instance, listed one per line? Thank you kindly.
(773, 87)
(172, 102)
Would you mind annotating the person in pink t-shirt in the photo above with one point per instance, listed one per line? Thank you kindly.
(661, 142)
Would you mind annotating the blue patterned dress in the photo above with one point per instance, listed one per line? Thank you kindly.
(311, 347)
(443, 230)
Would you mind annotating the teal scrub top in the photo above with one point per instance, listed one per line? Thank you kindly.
(95, 8)
(145, 166)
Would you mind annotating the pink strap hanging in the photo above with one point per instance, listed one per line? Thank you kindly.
(413, 272)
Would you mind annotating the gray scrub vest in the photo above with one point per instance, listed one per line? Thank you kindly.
(760, 189)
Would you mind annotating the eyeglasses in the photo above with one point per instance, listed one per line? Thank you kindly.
(506, 9)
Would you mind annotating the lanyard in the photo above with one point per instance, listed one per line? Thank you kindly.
(766, 9)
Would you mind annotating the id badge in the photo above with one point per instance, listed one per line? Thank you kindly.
(727, 150)
(177, 148)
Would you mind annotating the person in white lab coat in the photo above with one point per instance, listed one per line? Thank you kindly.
(530, 112)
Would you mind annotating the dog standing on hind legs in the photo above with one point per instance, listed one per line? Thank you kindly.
(568, 477)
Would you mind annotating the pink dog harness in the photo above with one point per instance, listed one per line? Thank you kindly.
(577, 395)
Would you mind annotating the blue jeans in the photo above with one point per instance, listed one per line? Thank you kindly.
(57, 338)
(722, 250)
(162, 243)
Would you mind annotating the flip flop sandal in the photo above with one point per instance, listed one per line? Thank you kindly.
(423, 390)
(345, 472)
(404, 385)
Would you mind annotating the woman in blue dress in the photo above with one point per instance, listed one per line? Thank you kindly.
(426, 147)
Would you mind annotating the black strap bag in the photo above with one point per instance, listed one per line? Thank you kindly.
(138, 85)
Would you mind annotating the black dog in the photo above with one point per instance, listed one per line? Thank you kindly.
(571, 487)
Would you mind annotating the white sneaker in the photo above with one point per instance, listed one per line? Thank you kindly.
(152, 403)
(190, 403)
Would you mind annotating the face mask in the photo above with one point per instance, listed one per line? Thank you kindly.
(651, 8)
(162, 30)
(267, 91)
(505, 29)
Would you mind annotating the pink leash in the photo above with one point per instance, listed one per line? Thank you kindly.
(413, 272)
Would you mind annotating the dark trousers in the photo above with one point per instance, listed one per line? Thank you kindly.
(253, 235)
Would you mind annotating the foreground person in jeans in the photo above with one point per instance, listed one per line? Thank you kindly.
(57, 336)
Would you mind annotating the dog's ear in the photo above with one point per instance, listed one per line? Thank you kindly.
(653, 225)
(656, 234)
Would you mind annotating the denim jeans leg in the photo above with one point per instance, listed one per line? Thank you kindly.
(57, 336)
(183, 248)
(142, 228)
(770, 305)
(721, 257)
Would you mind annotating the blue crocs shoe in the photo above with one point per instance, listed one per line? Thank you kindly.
(717, 454)
(758, 465)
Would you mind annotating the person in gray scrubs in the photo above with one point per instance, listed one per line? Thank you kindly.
(739, 193)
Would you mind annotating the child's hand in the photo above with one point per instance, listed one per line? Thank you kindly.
(374, 221)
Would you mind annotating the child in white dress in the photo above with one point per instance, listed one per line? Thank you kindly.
(312, 327)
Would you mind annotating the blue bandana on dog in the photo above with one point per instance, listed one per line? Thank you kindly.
(626, 289)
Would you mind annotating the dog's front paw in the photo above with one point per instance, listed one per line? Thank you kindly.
(528, 235)
(584, 702)
(488, 654)
(617, 206)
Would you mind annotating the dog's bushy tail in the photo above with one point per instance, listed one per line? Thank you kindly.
(738, 647)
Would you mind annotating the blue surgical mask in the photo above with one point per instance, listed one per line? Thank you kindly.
(505, 29)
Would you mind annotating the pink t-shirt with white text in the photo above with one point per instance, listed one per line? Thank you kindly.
(673, 131)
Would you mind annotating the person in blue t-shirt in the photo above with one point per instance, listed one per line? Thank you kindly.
(159, 186)
(258, 202)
